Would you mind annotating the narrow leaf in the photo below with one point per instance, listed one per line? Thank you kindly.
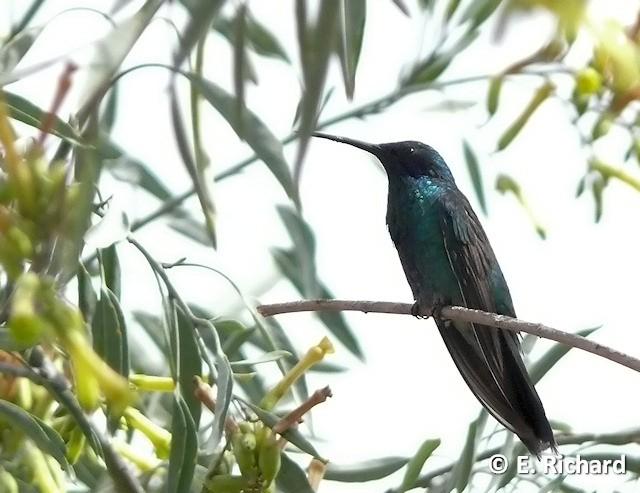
(554, 354)
(13, 51)
(189, 366)
(536, 100)
(111, 52)
(291, 478)
(256, 133)
(45, 437)
(223, 399)
(111, 269)
(130, 170)
(475, 173)
(201, 17)
(416, 464)
(265, 358)
(28, 113)
(493, 95)
(316, 44)
(461, 473)
(370, 470)
(429, 69)
(184, 448)
(353, 17)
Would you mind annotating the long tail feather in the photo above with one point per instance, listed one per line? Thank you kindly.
(495, 373)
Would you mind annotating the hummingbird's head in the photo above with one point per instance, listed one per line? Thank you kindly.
(409, 158)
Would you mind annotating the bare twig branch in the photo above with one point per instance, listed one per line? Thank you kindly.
(295, 416)
(459, 314)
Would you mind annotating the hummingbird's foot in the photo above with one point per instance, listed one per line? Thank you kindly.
(419, 312)
(436, 310)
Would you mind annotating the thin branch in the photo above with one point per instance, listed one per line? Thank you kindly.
(294, 417)
(459, 314)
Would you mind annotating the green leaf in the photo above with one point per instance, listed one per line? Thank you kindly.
(291, 478)
(201, 16)
(359, 472)
(128, 169)
(189, 365)
(223, 399)
(184, 448)
(304, 244)
(259, 38)
(325, 367)
(461, 473)
(476, 175)
(264, 358)
(315, 42)
(506, 184)
(46, 438)
(110, 52)
(13, 51)
(402, 7)
(240, 61)
(110, 269)
(28, 113)
(427, 4)
(108, 116)
(493, 96)
(253, 130)
(554, 354)
(192, 229)
(452, 7)
(87, 298)
(197, 175)
(536, 100)
(263, 41)
(353, 17)
(292, 435)
(434, 65)
(416, 464)
(234, 342)
(109, 332)
(478, 11)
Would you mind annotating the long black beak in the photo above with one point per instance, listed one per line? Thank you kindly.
(374, 149)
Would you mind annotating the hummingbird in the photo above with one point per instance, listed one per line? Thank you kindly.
(448, 260)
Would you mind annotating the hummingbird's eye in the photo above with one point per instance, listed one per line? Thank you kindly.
(411, 150)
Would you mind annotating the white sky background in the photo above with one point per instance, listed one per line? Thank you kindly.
(583, 275)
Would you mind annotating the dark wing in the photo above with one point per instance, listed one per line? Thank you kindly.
(488, 358)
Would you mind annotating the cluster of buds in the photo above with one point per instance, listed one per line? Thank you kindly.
(255, 448)
(39, 209)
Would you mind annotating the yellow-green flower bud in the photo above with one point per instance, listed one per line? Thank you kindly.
(245, 455)
(157, 435)
(8, 483)
(226, 483)
(269, 459)
(588, 81)
(75, 445)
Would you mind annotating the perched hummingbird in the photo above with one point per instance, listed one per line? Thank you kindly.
(448, 260)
